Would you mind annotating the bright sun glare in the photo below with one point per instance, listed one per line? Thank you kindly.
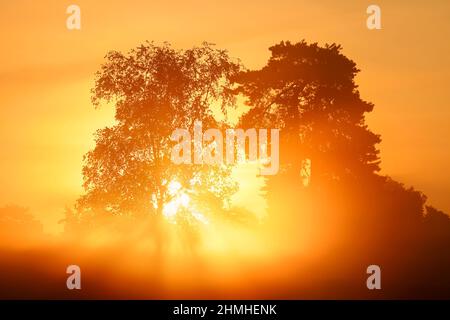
(180, 200)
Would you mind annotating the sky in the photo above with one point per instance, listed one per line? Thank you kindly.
(46, 72)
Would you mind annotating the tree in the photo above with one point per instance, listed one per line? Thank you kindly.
(309, 93)
(326, 149)
(155, 90)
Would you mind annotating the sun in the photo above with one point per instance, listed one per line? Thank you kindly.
(180, 200)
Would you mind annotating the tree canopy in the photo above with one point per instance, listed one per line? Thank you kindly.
(309, 92)
(154, 89)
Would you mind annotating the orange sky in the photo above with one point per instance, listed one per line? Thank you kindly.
(47, 121)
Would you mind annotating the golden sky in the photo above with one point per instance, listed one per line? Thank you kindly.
(46, 72)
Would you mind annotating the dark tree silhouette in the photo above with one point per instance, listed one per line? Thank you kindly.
(309, 92)
(348, 210)
(155, 90)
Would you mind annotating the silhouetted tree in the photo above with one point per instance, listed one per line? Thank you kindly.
(155, 90)
(309, 93)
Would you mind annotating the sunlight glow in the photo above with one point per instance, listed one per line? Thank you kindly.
(180, 200)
